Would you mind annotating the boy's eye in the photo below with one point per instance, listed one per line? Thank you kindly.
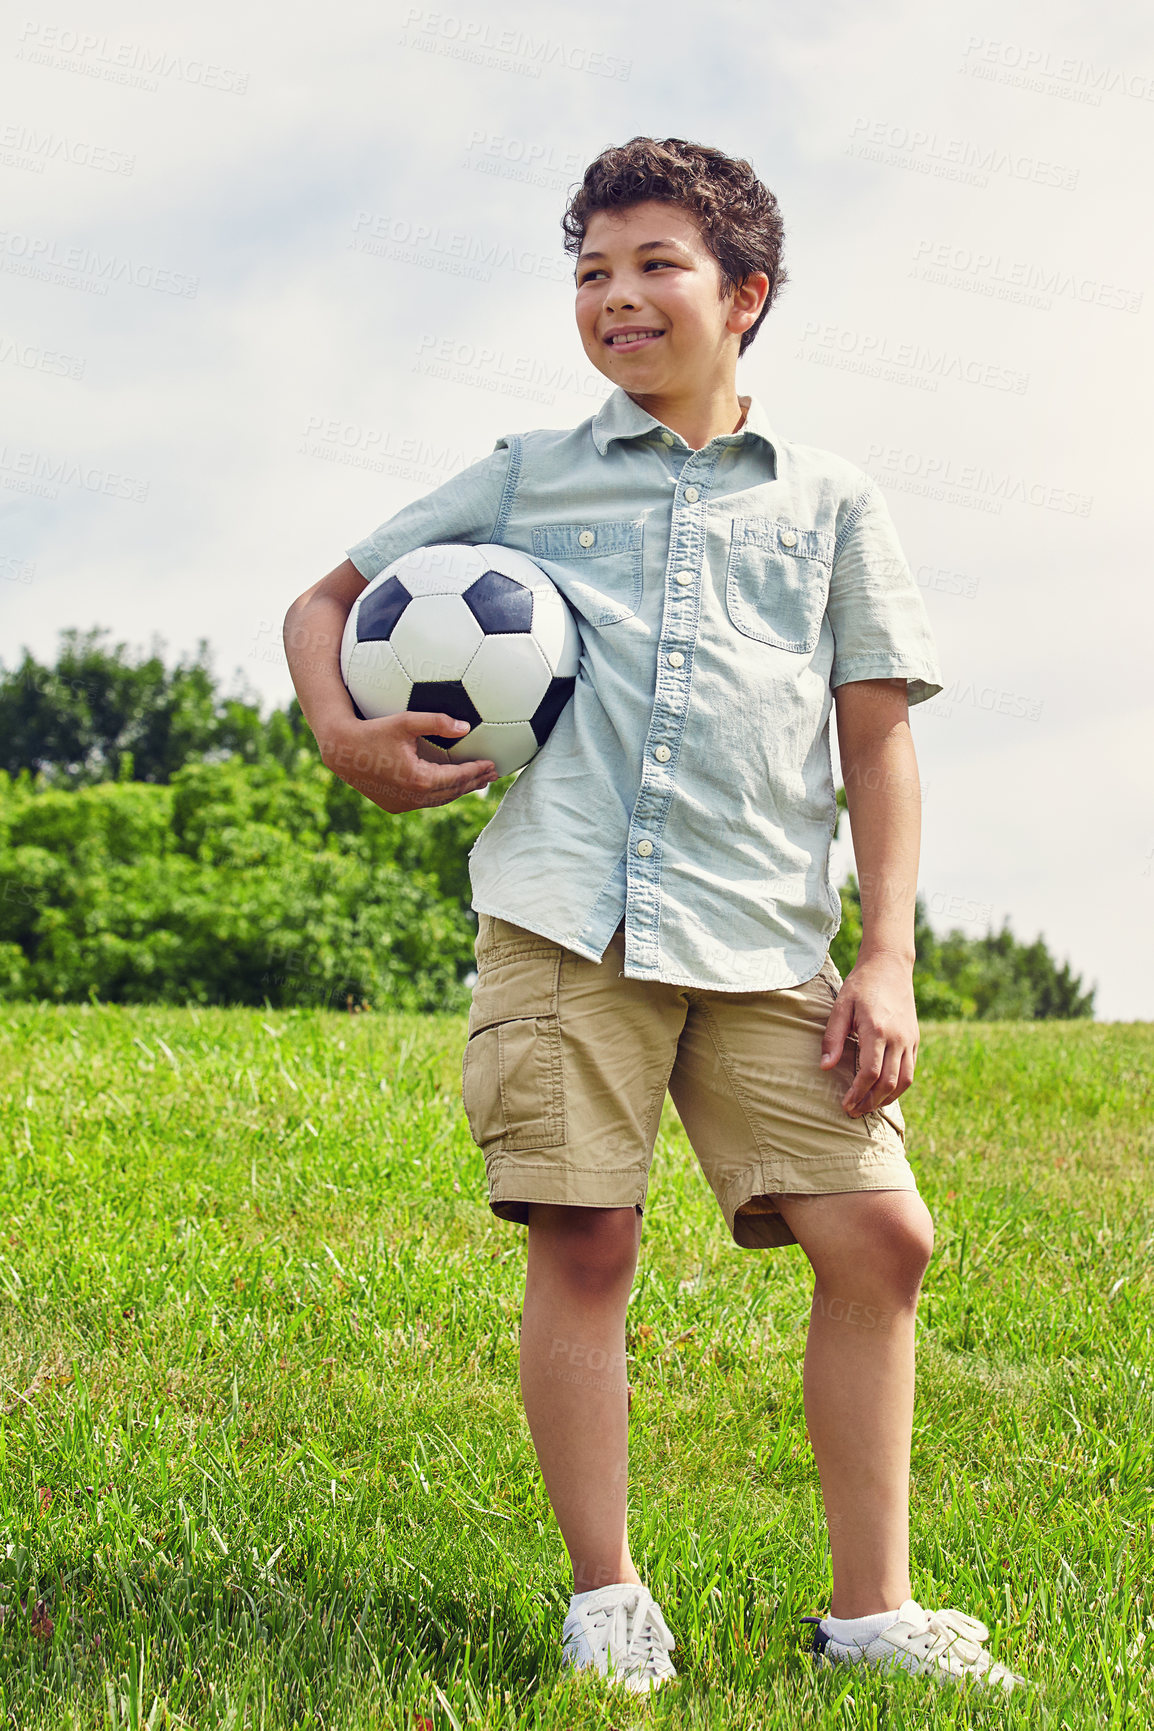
(596, 271)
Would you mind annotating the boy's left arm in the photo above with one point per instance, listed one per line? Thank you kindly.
(883, 794)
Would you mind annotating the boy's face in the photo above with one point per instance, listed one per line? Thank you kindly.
(645, 275)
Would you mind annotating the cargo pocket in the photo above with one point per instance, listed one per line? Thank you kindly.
(882, 1118)
(511, 1076)
(891, 1117)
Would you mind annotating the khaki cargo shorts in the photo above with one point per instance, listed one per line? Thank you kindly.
(568, 1062)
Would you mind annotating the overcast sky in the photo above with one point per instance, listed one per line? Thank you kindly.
(270, 271)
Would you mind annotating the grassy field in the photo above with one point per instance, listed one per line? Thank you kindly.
(264, 1458)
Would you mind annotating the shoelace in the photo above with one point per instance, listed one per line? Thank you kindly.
(636, 1631)
(955, 1633)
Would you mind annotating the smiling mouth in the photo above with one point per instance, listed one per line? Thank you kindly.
(632, 339)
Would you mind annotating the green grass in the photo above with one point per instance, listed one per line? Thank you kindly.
(264, 1457)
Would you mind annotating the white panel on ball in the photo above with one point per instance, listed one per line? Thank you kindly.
(377, 681)
(441, 570)
(436, 637)
(510, 563)
(507, 677)
(510, 745)
(555, 631)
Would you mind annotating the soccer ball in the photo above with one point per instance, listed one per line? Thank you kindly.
(479, 633)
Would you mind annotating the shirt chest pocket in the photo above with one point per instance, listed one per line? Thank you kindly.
(777, 582)
(596, 565)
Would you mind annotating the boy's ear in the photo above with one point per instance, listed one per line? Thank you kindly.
(748, 300)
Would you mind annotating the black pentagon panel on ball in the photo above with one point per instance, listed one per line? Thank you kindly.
(500, 604)
(550, 707)
(446, 697)
(380, 611)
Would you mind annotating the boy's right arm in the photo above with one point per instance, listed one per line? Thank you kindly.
(386, 760)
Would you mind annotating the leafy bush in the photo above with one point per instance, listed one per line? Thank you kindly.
(233, 884)
(176, 846)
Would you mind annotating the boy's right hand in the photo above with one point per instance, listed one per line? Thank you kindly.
(393, 765)
(386, 760)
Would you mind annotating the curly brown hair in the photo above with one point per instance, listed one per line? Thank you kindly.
(739, 219)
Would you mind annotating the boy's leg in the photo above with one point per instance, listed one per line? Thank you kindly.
(580, 1270)
(868, 1250)
(783, 1158)
(563, 1078)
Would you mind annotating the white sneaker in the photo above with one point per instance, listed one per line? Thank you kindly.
(944, 1645)
(620, 1632)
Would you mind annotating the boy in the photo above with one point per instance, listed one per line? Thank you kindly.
(653, 895)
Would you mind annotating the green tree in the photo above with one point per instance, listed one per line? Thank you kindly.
(103, 712)
(161, 841)
(990, 978)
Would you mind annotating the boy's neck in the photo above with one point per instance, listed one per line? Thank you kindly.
(698, 419)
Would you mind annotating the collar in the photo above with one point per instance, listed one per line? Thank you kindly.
(619, 417)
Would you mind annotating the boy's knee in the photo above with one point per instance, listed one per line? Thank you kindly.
(892, 1244)
(593, 1249)
(904, 1241)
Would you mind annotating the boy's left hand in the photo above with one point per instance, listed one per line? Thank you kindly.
(876, 1007)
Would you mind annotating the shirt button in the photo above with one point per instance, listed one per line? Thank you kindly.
(684, 577)
(586, 538)
(667, 438)
(662, 753)
(645, 848)
(691, 495)
(788, 538)
(675, 659)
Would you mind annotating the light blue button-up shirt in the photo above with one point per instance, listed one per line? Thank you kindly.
(721, 595)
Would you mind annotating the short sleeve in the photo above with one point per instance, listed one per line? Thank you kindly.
(880, 625)
(467, 507)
